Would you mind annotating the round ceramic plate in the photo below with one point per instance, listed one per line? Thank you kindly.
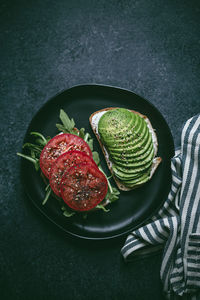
(133, 207)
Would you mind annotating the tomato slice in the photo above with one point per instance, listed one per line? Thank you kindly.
(83, 187)
(58, 145)
(64, 162)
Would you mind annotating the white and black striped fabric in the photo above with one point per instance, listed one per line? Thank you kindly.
(176, 227)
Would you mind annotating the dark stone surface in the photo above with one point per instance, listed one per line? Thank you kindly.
(149, 47)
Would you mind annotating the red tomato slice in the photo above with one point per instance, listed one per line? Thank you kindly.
(58, 145)
(83, 187)
(64, 162)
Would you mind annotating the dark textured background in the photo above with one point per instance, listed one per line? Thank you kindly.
(150, 47)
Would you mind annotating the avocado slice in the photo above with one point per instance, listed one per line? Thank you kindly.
(118, 170)
(140, 180)
(134, 143)
(123, 156)
(134, 149)
(128, 181)
(112, 130)
(129, 163)
(130, 141)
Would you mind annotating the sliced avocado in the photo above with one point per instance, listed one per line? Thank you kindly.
(140, 180)
(129, 144)
(130, 138)
(135, 143)
(131, 170)
(116, 132)
(123, 156)
(130, 162)
(136, 150)
(113, 121)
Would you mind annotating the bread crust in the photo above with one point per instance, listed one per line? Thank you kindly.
(156, 160)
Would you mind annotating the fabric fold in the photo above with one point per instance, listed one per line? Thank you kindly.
(176, 227)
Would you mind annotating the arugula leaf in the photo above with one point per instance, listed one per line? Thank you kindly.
(67, 213)
(48, 193)
(96, 158)
(90, 143)
(42, 141)
(113, 193)
(100, 206)
(32, 159)
(61, 128)
(67, 125)
(112, 196)
(33, 147)
(86, 137)
(82, 133)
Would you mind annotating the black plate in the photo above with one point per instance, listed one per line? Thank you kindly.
(134, 207)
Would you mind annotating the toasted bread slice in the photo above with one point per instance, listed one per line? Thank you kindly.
(94, 120)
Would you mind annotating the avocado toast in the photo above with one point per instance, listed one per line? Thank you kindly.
(129, 144)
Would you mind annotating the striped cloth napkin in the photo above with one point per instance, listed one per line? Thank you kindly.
(176, 227)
